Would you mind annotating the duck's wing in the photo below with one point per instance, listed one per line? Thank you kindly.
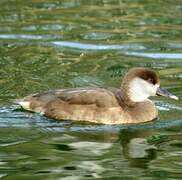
(99, 97)
(83, 96)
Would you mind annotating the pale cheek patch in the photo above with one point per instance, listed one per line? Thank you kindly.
(155, 88)
(152, 89)
(140, 90)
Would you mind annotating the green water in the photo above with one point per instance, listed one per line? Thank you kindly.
(47, 44)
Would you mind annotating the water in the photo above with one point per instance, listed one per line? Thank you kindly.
(55, 44)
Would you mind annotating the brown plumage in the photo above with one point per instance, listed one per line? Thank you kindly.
(98, 105)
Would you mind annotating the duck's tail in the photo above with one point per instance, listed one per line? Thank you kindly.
(23, 103)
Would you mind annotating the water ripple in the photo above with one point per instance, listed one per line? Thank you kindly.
(28, 36)
(156, 55)
(84, 46)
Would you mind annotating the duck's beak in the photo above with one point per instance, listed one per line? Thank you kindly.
(163, 92)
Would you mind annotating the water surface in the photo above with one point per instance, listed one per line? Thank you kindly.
(59, 44)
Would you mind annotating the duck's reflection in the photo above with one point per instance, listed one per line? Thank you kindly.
(136, 148)
(135, 145)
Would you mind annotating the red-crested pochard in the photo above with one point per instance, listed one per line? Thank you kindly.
(129, 104)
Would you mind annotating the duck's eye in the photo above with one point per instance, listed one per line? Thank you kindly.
(150, 80)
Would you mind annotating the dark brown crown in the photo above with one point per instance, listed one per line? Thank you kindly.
(143, 73)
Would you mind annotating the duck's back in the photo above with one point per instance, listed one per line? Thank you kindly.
(82, 104)
(97, 105)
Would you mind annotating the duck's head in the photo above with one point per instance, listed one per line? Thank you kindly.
(141, 83)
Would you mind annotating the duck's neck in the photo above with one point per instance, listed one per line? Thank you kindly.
(123, 99)
(128, 101)
(125, 96)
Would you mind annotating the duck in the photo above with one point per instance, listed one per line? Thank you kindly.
(128, 104)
